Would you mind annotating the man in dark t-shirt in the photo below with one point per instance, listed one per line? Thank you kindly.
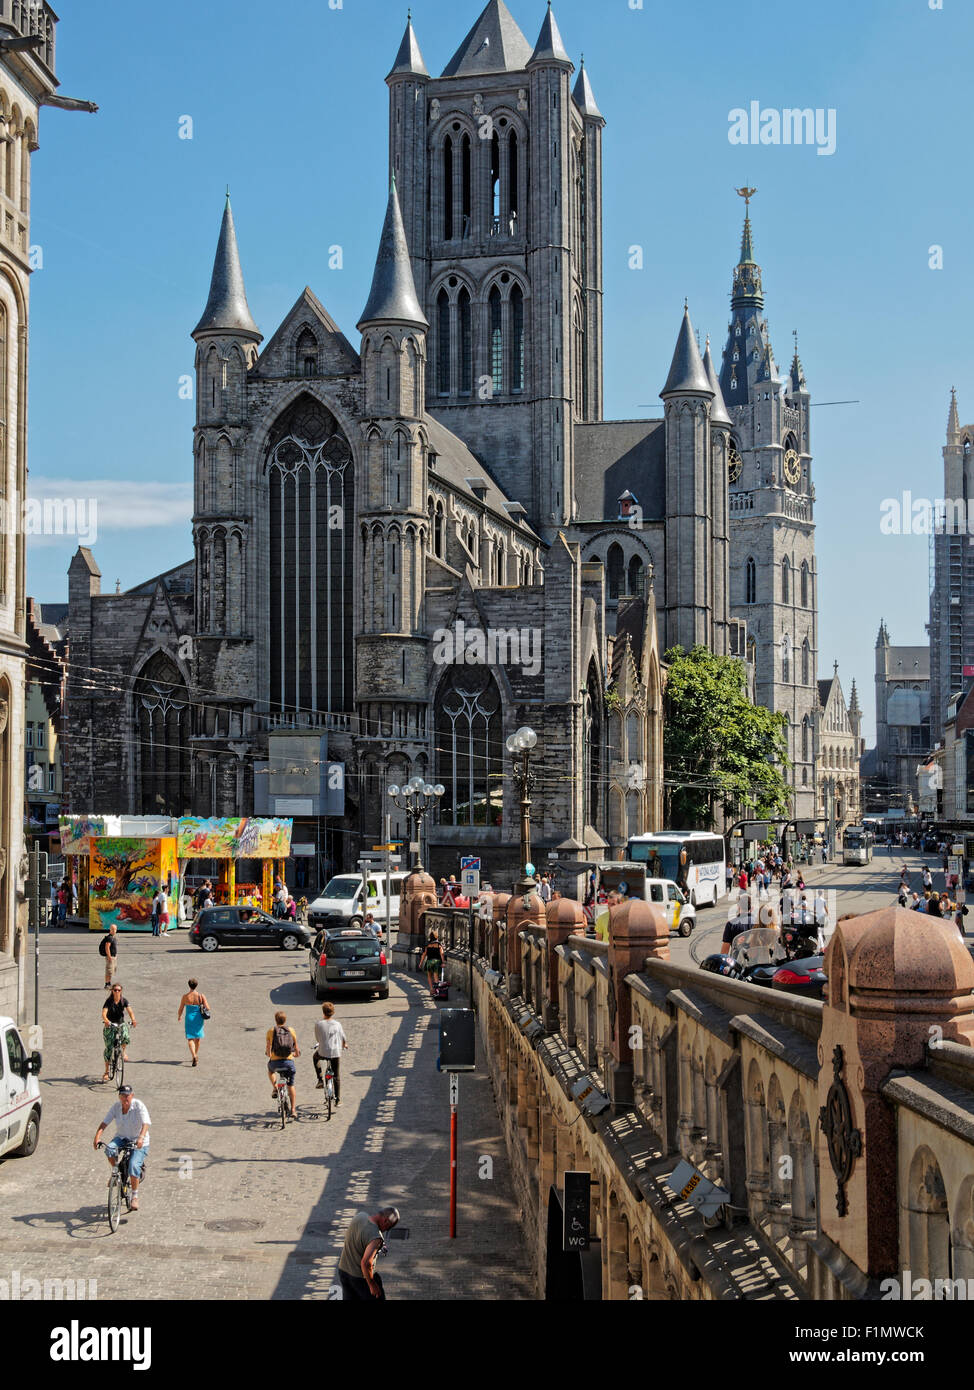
(113, 1012)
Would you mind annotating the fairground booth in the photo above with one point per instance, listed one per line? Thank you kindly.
(120, 862)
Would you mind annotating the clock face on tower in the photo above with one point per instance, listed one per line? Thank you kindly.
(793, 468)
(734, 464)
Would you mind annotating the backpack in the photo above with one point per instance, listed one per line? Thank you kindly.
(103, 946)
(282, 1044)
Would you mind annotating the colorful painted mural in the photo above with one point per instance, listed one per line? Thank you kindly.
(234, 837)
(77, 832)
(124, 876)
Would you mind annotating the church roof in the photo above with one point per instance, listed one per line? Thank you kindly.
(456, 465)
(227, 309)
(181, 579)
(584, 97)
(549, 48)
(409, 59)
(393, 295)
(617, 456)
(687, 370)
(494, 44)
(718, 410)
(630, 631)
(824, 690)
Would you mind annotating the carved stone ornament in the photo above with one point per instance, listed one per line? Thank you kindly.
(4, 714)
(522, 99)
(478, 104)
(435, 110)
(844, 1141)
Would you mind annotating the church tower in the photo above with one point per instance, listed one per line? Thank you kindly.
(226, 348)
(773, 577)
(499, 167)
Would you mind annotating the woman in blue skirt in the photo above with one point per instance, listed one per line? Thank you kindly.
(194, 1002)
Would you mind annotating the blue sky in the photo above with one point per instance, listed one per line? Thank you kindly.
(289, 108)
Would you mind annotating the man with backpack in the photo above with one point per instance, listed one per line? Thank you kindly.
(108, 948)
(281, 1051)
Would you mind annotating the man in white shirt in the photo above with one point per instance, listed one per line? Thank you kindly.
(330, 1042)
(131, 1120)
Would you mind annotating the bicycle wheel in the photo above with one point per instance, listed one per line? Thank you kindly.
(115, 1199)
(120, 1069)
(113, 1062)
(329, 1088)
(283, 1103)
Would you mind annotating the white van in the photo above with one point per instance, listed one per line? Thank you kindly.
(348, 897)
(20, 1093)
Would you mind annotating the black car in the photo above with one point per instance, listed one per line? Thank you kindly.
(348, 961)
(246, 926)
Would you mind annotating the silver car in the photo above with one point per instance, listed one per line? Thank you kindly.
(349, 961)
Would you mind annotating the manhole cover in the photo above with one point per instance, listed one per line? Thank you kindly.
(232, 1226)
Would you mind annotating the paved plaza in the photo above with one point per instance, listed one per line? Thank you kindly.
(234, 1207)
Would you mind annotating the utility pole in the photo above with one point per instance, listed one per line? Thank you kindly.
(38, 896)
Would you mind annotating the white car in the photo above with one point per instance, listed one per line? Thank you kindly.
(20, 1093)
(348, 897)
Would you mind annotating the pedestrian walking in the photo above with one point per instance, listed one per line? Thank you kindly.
(544, 889)
(927, 877)
(108, 949)
(330, 1043)
(157, 903)
(193, 1003)
(432, 960)
(364, 1239)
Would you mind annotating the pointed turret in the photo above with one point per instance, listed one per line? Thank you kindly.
(953, 420)
(494, 44)
(747, 274)
(718, 409)
(798, 383)
(854, 699)
(227, 310)
(687, 370)
(393, 296)
(883, 638)
(584, 97)
(549, 48)
(409, 59)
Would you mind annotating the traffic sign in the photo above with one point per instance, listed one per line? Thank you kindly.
(469, 861)
(384, 849)
(470, 881)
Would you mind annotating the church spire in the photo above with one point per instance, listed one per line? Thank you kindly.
(798, 382)
(409, 59)
(584, 97)
(953, 420)
(718, 409)
(883, 639)
(687, 371)
(854, 699)
(227, 310)
(747, 291)
(549, 48)
(393, 296)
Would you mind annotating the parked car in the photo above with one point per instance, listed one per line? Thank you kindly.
(20, 1094)
(805, 977)
(348, 961)
(245, 926)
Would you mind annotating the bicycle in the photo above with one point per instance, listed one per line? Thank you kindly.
(281, 1083)
(116, 1060)
(118, 1183)
(329, 1080)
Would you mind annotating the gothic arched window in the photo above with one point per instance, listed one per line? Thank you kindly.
(750, 581)
(517, 339)
(786, 659)
(637, 576)
(804, 584)
(495, 315)
(310, 573)
(806, 654)
(592, 750)
(469, 756)
(512, 181)
(443, 343)
(805, 739)
(785, 586)
(465, 187)
(615, 571)
(448, 189)
(306, 354)
(495, 183)
(466, 342)
(438, 529)
(161, 716)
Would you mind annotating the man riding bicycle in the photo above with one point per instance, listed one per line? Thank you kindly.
(132, 1125)
(281, 1050)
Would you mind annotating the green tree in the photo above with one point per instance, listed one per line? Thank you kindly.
(719, 750)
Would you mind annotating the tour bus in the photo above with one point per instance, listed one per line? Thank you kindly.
(694, 859)
(857, 845)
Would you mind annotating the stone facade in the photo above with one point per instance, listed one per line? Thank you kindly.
(838, 753)
(903, 724)
(27, 81)
(951, 625)
(734, 1081)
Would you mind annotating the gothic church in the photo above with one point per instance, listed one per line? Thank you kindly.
(353, 503)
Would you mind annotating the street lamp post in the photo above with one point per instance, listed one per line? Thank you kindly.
(415, 798)
(520, 746)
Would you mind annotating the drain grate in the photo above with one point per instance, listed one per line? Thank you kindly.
(233, 1226)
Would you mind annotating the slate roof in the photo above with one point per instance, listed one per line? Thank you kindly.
(494, 44)
(227, 308)
(393, 295)
(612, 456)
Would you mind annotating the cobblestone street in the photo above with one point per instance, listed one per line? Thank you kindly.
(233, 1207)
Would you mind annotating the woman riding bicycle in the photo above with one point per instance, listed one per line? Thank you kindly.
(112, 1016)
